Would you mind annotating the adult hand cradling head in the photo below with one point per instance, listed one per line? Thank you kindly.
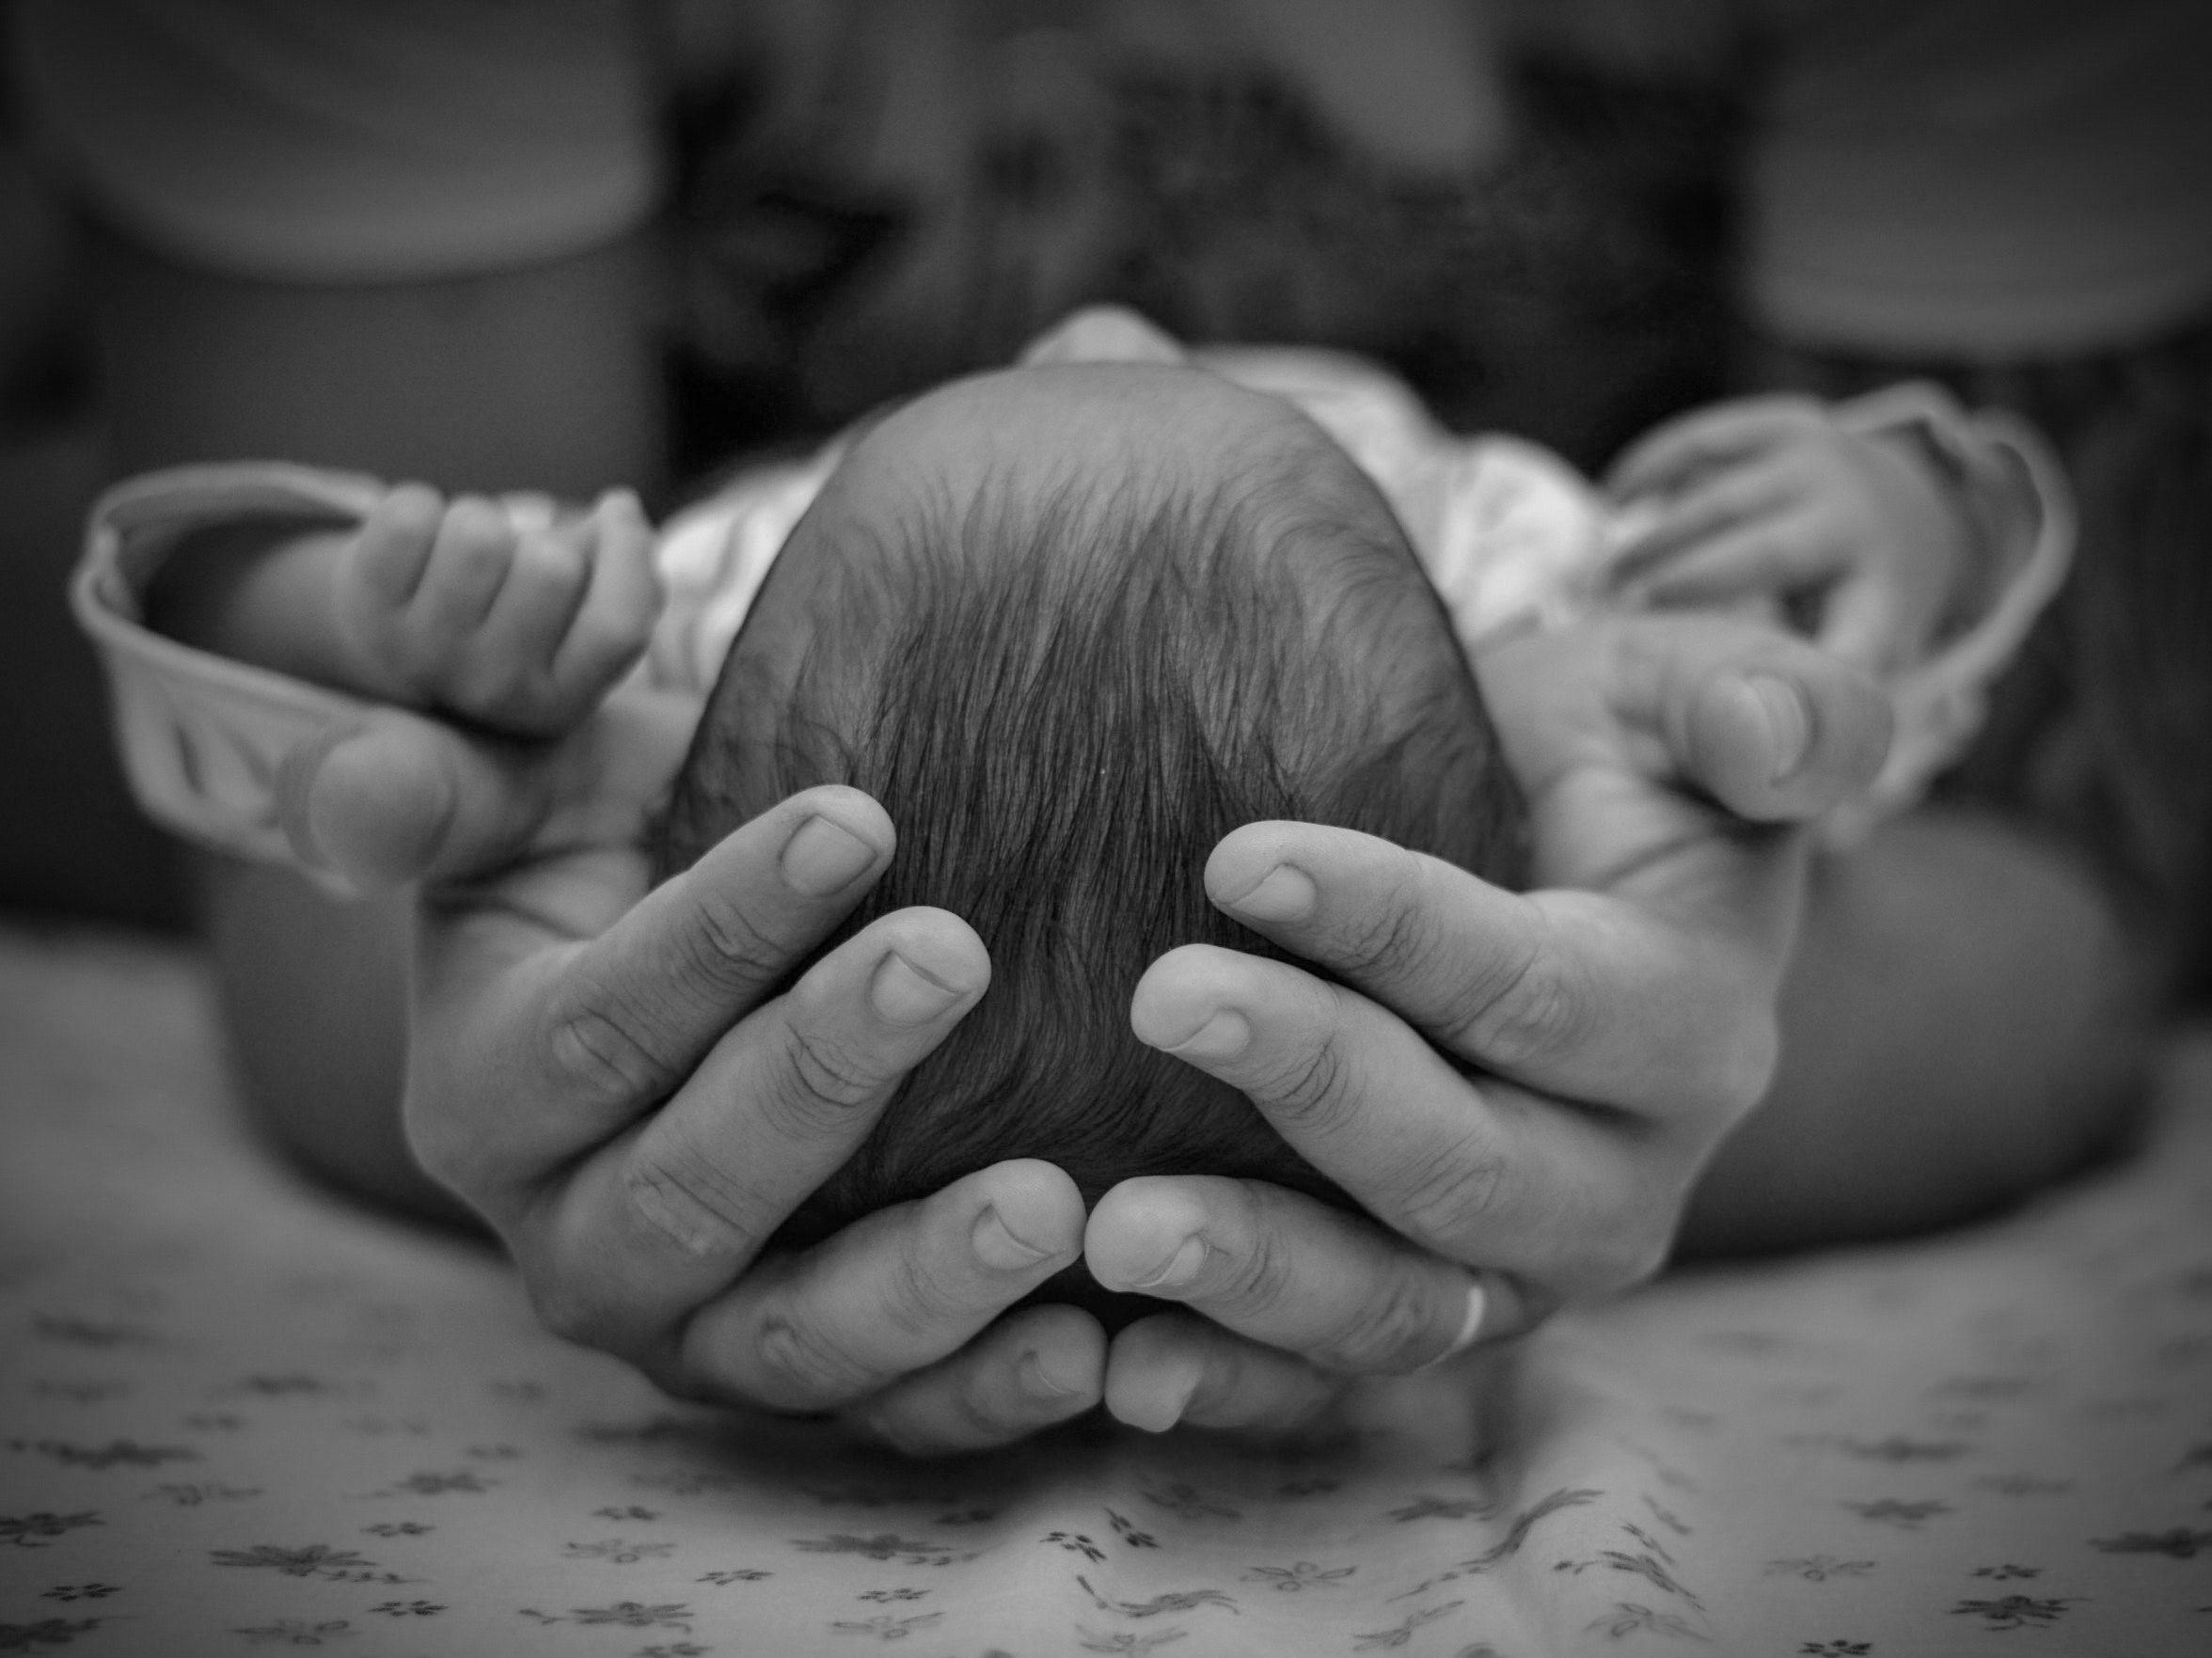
(620, 1082)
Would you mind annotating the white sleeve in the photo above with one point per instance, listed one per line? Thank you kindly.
(2015, 494)
(203, 737)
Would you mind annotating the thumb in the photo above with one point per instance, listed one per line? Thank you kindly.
(391, 798)
(1772, 728)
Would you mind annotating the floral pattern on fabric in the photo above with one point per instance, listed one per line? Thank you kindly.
(236, 1417)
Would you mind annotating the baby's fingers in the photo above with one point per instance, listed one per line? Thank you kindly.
(468, 564)
(611, 625)
(1688, 525)
(577, 607)
(1769, 557)
(392, 551)
(1673, 455)
(522, 633)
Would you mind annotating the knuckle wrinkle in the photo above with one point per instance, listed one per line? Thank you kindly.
(1450, 1192)
(1390, 1332)
(690, 1200)
(1315, 1085)
(827, 1083)
(806, 1368)
(603, 1054)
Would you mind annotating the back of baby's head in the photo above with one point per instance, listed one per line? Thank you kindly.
(1072, 626)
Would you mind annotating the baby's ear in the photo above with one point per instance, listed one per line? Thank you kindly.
(1103, 334)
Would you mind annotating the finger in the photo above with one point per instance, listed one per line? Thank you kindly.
(1173, 1369)
(1768, 559)
(1862, 624)
(1032, 1368)
(890, 1294)
(1740, 500)
(392, 799)
(670, 1212)
(1575, 993)
(1286, 1271)
(1465, 1171)
(532, 510)
(623, 600)
(1650, 696)
(394, 548)
(1774, 728)
(620, 1021)
(469, 558)
(381, 802)
(1676, 451)
(544, 587)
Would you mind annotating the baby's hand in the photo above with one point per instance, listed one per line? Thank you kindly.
(498, 611)
(1772, 497)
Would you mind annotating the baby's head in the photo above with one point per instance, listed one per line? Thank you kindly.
(1072, 626)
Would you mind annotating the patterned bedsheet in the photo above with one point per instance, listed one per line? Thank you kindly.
(236, 1416)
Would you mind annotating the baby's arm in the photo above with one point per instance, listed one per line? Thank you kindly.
(1857, 528)
(501, 612)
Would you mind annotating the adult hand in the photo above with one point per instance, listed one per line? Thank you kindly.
(1621, 1016)
(606, 1076)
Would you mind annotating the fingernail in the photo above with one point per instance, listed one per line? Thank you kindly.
(902, 994)
(1178, 1269)
(1788, 727)
(1284, 893)
(315, 813)
(1470, 1324)
(997, 1245)
(327, 817)
(1223, 1036)
(1039, 1383)
(1166, 1401)
(822, 858)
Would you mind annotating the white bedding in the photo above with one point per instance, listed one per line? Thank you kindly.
(237, 1416)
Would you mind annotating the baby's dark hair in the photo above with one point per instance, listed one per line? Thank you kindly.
(1063, 697)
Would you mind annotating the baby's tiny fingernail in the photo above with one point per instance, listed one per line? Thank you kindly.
(1178, 1269)
(1788, 727)
(1223, 1036)
(1039, 1383)
(1284, 893)
(903, 994)
(997, 1245)
(822, 858)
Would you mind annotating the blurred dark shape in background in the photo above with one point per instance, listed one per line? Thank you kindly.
(71, 842)
(1562, 219)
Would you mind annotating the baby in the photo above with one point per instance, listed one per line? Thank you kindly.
(1072, 626)
(1069, 623)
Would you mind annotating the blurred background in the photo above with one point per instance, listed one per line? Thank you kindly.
(679, 231)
